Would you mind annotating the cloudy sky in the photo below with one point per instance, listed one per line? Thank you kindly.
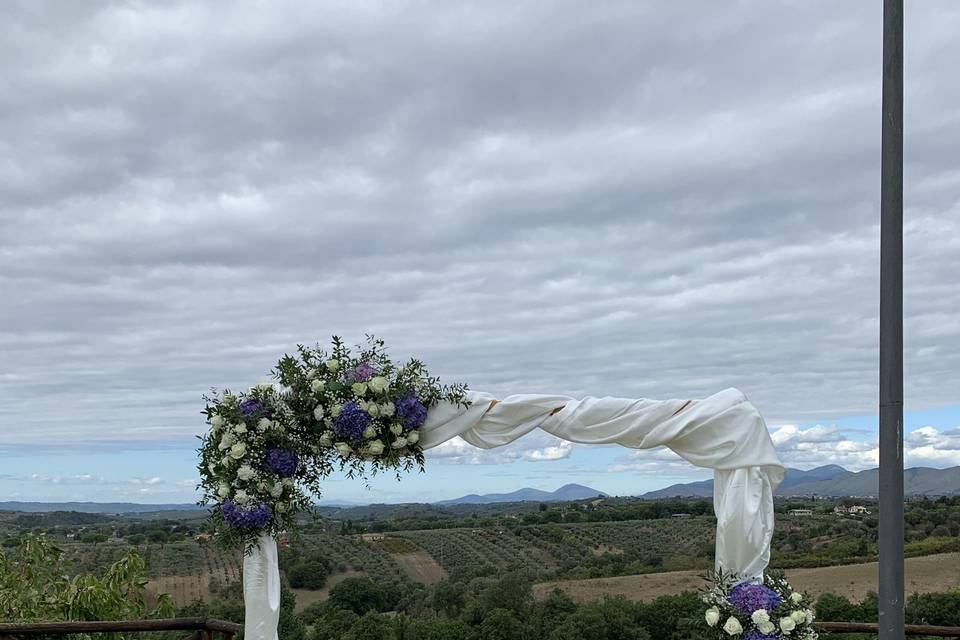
(642, 199)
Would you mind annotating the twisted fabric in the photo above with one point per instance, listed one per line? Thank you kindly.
(723, 432)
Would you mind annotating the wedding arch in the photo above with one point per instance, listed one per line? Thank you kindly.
(723, 432)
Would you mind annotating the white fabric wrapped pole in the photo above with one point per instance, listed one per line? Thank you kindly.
(261, 591)
(723, 432)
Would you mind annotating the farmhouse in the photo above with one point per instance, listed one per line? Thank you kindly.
(853, 510)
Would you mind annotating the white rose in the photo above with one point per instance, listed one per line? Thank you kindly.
(227, 461)
(240, 428)
(318, 412)
(281, 507)
(335, 410)
(399, 443)
(276, 490)
(333, 365)
(263, 424)
(317, 386)
(798, 616)
(226, 441)
(787, 624)
(413, 437)
(359, 388)
(245, 472)
(238, 450)
(387, 409)
(326, 439)
(379, 384)
(374, 448)
(796, 597)
(370, 432)
(732, 626)
(216, 422)
(808, 616)
(212, 468)
(343, 449)
(373, 409)
(712, 616)
(767, 628)
(760, 616)
(241, 497)
(223, 490)
(396, 429)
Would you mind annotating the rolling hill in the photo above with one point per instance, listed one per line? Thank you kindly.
(564, 493)
(835, 481)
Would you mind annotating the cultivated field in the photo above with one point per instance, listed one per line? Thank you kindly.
(925, 574)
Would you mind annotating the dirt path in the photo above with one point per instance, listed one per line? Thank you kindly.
(420, 567)
(928, 573)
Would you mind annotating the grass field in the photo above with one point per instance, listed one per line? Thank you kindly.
(923, 575)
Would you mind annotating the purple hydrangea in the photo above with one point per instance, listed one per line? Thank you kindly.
(282, 462)
(411, 412)
(251, 407)
(361, 373)
(351, 422)
(240, 518)
(755, 634)
(747, 597)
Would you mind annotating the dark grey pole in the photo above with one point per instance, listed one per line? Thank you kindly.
(891, 328)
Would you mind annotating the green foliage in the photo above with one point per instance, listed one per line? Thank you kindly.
(934, 608)
(35, 585)
(501, 624)
(311, 573)
(836, 608)
(360, 595)
(371, 627)
(614, 618)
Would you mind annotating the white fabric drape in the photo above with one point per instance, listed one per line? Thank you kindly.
(723, 432)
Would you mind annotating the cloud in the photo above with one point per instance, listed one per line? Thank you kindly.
(535, 447)
(647, 202)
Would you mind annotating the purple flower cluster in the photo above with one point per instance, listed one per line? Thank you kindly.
(282, 462)
(240, 518)
(747, 597)
(361, 373)
(754, 634)
(251, 407)
(411, 412)
(351, 422)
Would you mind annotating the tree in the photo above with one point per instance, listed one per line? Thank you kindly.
(501, 624)
(310, 574)
(371, 627)
(359, 595)
(34, 585)
(448, 598)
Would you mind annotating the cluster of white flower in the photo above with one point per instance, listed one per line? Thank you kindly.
(787, 616)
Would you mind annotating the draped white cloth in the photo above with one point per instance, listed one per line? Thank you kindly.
(723, 432)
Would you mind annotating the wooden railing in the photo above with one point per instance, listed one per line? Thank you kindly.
(872, 627)
(202, 628)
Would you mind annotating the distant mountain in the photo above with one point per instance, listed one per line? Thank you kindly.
(836, 482)
(564, 493)
(96, 507)
(919, 481)
(792, 478)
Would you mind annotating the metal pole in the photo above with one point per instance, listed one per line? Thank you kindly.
(890, 578)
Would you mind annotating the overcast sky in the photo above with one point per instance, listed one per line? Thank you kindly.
(644, 199)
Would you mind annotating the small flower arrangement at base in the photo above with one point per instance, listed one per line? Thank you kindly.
(757, 610)
(268, 449)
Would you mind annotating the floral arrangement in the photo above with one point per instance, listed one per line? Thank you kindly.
(268, 449)
(758, 610)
